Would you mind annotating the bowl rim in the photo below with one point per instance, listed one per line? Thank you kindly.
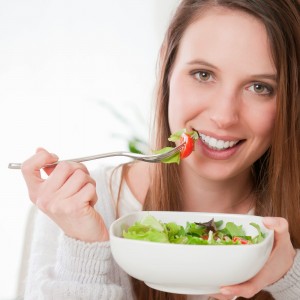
(269, 232)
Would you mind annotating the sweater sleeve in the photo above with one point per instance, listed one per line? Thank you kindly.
(83, 271)
(63, 268)
(288, 287)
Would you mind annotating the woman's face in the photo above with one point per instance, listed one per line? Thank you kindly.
(223, 85)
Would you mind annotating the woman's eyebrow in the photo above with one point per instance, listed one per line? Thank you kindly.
(201, 62)
(265, 76)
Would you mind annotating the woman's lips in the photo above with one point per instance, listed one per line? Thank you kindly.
(217, 148)
(217, 144)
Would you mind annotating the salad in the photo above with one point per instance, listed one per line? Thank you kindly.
(183, 136)
(196, 233)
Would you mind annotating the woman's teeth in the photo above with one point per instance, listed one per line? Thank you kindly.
(217, 144)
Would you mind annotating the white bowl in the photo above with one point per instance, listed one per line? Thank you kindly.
(189, 269)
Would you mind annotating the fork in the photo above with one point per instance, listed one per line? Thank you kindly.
(151, 158)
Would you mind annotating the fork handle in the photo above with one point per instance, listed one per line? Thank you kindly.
(152, 158)
(14, 166)
(86, 158)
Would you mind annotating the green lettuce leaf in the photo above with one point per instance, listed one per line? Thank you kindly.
(232, 230)
(169, 160)
(148, 229)
(260, 236)
(177, 135)
(152, 222)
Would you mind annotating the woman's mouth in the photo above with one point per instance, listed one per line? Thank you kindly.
(217, 144)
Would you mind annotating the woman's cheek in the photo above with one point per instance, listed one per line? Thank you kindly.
(175, 105)
(181, 103)
(263, 119)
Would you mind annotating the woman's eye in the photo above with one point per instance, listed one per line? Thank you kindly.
(202, 75)
(261, 89)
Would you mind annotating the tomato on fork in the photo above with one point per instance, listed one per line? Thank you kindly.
(188, 146)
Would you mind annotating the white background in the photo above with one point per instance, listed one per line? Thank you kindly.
(61, 62)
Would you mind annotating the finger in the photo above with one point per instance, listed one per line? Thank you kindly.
(61, 174)
(79, 204)
(32, 166)
(50, 194)
(81, 221)
(75, 183)
(282, 244)
(74, 206)
(87, 194)
(47, 170)
(280, 227)
(247, 290)
(222, 297)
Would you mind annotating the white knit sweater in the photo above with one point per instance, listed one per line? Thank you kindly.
(62, 268)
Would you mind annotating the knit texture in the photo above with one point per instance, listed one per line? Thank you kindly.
(288, 288)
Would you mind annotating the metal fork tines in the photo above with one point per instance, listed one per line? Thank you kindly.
(152, 158)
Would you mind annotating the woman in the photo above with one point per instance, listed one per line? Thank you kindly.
(229, 70)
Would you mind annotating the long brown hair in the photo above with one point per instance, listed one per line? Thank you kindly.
(277, 173)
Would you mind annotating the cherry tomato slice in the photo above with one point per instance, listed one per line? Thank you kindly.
(188, 147)
(237, 239)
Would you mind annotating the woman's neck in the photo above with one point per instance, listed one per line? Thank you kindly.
(233, 195)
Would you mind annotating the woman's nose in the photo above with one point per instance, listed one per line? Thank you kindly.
(224, 111)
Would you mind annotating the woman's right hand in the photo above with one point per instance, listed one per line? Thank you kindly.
(67, 196)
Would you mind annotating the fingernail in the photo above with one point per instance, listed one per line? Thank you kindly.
(39, 149)
(225, 291)
(269, 221)
(54, 155)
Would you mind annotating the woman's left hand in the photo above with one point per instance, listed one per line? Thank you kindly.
(278, 264)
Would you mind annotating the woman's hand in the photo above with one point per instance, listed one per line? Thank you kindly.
(67, 196)
(278, 264)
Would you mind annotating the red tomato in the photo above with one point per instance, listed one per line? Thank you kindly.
(188, 147)
(236, 239)
(205, 237)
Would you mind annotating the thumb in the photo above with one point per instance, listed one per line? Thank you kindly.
(276, 223)
(32, 166)
(279, 225)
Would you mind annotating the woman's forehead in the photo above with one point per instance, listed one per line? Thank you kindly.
(224, 36)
